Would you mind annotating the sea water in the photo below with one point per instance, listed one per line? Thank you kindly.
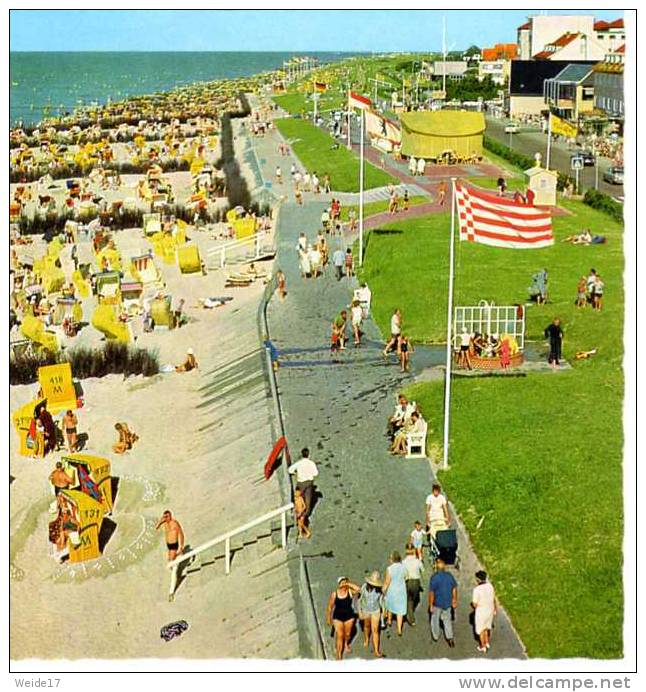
(50, 84)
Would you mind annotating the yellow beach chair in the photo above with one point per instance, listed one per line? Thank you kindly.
(34, 329)
(189, 259)
(106, 321)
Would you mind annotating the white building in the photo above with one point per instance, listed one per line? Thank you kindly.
(542, 30)
(454, 69)
(498, 70)
(611, 35)
(572, 46)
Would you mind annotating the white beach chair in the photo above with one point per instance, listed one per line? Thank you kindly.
(416, 443)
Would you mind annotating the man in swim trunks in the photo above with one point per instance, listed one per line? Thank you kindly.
(69, 425)
(174, 534)
(59, 479)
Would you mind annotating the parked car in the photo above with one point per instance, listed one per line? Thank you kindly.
(512, 129)
(587, 156)
(614, 175)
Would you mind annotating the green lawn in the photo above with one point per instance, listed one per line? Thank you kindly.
(539, 457)
(299, 102)
(378, 207)
(313, 147)
(513, 183)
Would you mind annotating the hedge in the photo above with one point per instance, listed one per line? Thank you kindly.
(51, 226)
(597, 200)
(112, 358)
(74, 171)
(521, 161)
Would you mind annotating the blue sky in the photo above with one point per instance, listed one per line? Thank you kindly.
(271, 30)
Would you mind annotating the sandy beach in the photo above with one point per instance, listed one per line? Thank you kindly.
(204, 437)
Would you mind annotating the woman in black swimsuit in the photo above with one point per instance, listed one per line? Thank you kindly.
(341, 615)
(404, 349)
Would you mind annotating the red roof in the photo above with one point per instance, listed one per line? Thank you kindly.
(526, 25)
(603, 26)
(560, 42)
(621, 49)
(564, 40)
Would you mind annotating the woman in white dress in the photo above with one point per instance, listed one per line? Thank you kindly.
(306, 267)
(412, 166)
(483, 601)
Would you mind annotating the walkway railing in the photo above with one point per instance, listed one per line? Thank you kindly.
(222, 251)
(226, 539)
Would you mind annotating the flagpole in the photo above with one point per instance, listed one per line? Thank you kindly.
(449, 320)
(361, 164)
(348, 114)
(549, 142)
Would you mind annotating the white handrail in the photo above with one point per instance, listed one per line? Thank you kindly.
(221, 250)
(238, 242)
(226, 537)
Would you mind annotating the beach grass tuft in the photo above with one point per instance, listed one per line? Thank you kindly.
(112, 358)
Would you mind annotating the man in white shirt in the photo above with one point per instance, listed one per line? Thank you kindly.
(306, 471)
(395, 331)
(437, 511)
(414, 568)
(338, 260)
(364, 296)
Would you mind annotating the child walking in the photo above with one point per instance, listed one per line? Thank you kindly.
(300, 510)
(417, 536)
(349, 263)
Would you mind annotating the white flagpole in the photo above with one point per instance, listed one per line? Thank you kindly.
(549, 142)
(449, 321)
(361, 190)
(348, 113)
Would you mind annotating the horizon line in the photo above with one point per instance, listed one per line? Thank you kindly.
(188, 50)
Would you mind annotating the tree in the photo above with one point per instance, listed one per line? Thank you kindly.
(471, 51)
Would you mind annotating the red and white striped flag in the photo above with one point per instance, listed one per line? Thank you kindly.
(491, 220)
(358, 101)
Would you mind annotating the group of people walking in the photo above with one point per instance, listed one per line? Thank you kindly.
(379, 602)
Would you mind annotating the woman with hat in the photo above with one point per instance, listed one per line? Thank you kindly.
(341, 615)
(370, 604)
(189, 364)
(395, 591)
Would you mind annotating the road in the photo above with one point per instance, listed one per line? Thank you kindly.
(529, 141)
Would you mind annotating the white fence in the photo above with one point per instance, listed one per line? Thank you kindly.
(253, 244)
(488, 318)
(226, 539)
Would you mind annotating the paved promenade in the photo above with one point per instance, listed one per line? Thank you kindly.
(369, 499)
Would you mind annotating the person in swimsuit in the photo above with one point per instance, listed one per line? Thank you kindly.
(280, 282)
(189, 364)
(174, 534)
(300, 510)
(59, 479)
(69, 425)
(349, 263)
(341, 615)
(404, 349)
